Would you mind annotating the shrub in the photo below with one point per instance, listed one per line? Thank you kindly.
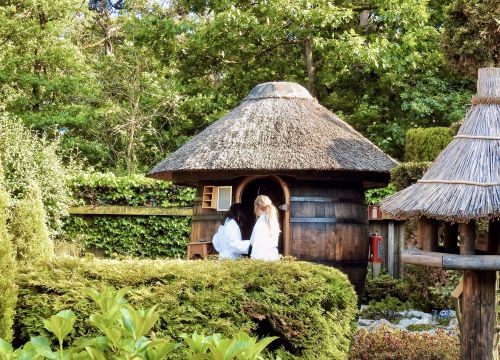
(311, 308)
(422, 283)
(124, 336)
(420, 327)
(140, 236)
(8, 289)
(387, 308)
(29, 230)
(425, 144)
(385, 344)
(406, 174)
(378, 288)
(26, 160)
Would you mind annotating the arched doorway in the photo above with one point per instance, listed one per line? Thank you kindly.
(278, 192)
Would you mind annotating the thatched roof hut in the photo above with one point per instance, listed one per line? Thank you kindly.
(461, 186)
(282, 143)
(463, 183)
(278, 128)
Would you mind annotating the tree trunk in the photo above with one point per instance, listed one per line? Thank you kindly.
(310, 65)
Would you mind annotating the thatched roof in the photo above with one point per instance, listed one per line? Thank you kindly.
(278, 127)
(463, 183)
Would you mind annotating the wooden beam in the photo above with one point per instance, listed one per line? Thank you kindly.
(451, 261)
(472, 262)
(130, 210)
(450, 241)
(427, 234)
(420, 257)
(467, 238)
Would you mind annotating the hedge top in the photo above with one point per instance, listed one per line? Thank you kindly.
(463, 183)
(279, 126)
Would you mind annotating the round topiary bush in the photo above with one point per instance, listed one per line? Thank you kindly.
(311, 308)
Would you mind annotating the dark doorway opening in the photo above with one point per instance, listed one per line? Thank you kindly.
(262, 186)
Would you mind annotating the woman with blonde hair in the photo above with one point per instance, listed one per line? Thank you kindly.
(265, 234)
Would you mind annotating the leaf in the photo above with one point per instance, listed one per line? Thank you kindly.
(61, 324)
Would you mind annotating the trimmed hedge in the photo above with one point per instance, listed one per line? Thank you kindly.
(406, 174)
(133, 190)
(140, 236)
(311, 308)
(425, 144)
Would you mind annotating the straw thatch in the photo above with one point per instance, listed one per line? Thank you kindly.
(463, 183)
(277, 127)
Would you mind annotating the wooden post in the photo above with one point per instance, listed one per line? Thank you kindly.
(450, 241)
(390, 248)
(467, 238)
(402, 240)
(478, 304)
(427, 234)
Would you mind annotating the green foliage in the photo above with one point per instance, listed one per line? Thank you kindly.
(8, 288)
(134, 190)
(29, 230)
(27, 160)
(124, 331)
(377, 288)
(310, 308)
(388, 308)
(399, 344)
(375, 196)
(425, 144)
(471, 35)
(406, 174)
(428, 288)
(142, 236)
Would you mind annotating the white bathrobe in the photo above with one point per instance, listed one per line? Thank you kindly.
(264, 243)
(230, 244)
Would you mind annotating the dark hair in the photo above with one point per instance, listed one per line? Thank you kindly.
(237, 213)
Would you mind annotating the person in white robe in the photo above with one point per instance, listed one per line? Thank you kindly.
(265, 233)
(228, 240)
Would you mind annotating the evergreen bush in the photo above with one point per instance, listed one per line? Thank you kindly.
(8, 289)
(425, 144)
(311, 308)
(406, 174)
(29, 229)
(26, 160)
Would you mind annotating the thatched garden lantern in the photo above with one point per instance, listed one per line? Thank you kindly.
(282, 143)
(462, 187)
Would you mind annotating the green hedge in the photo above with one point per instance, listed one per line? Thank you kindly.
(143, 236)
(311, 308)
(133, 190)
(139, 236)
(406, 174)
(425, 144)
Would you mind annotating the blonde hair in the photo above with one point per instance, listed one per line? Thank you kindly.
(265, 204)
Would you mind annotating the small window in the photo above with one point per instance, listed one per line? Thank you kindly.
(224, 198)
(209, 197)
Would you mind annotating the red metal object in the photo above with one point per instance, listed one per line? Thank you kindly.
(376, 248)
(374, 212)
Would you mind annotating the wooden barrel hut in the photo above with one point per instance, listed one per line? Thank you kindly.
(315, 167)
(460, 190)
